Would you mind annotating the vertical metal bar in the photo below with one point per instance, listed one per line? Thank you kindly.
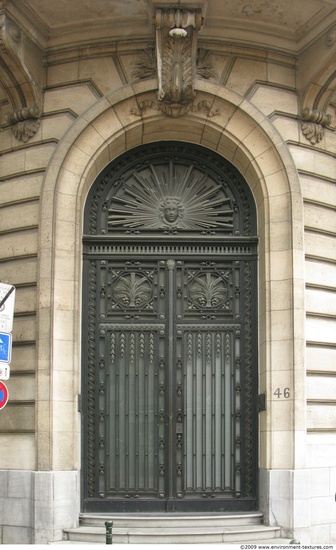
(146, 431)
(122, 410)
(137, 359)
(110, 437)
(218, 411)
(213, 412)
(117, 422)
(189, 411)
(120, 415)
(171, 389)
(228, 411)
(103, 426)
(208, 419)
(235, 419)
(238, 405)
(223, 419)
(127, 419)
(151, 420)
(194, 408)
(187, 429)
(159, 404)
(142, 400)
(132, 412)
(203, 432)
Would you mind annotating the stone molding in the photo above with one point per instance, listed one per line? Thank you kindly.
(174, 110)
(313, 124)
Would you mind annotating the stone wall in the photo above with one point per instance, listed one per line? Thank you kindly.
(36, 506)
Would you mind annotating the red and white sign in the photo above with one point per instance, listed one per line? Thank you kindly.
(3, 395)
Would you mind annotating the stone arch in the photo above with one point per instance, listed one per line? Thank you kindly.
(242, 134)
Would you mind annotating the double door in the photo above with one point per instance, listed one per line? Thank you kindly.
(170, 419)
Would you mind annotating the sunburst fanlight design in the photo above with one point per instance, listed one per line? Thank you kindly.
(170, 197)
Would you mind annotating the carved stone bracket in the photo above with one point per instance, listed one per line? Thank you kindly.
(21, 78)
(25, 122)
(176, 57)
(313, 124)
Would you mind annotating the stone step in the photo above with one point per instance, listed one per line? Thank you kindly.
(157, 531)
(173, 520)
(265, 542)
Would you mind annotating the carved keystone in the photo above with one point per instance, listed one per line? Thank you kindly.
(176, 57)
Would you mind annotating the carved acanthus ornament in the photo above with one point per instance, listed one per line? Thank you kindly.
(25, 122)
(176, 63)
(19, 80)
(176, 51)
(313, 124)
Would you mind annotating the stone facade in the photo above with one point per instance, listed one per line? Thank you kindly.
(85, 105)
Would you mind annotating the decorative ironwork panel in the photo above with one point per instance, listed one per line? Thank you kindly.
(133, 428)
(131, 289)
(170, 197)
(170, 189)
(211, 423)
(208, 290)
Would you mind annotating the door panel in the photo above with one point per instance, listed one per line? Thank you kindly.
(134, 427)
(170, 415)
(211, 423)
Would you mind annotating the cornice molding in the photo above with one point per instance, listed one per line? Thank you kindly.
(127, 47)
(26, 20)
(56, 33)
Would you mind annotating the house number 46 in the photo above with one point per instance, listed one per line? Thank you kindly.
(279, 393)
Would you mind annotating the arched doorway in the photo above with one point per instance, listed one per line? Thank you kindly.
(170, 334)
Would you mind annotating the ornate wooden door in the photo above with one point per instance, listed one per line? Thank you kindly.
(169, 337)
